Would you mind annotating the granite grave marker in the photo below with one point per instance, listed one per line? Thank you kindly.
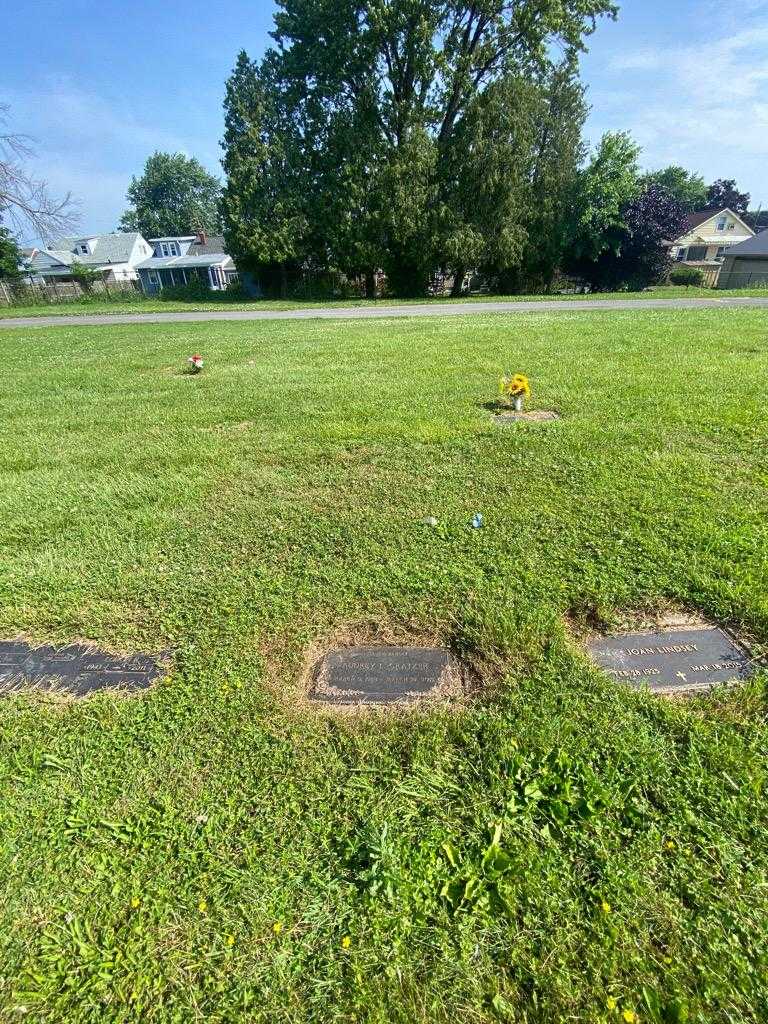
(672, 660)
(380, 675)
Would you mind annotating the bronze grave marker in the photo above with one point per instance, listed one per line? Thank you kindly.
(672, 660)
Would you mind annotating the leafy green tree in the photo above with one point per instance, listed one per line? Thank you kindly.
(639, 253)
(173, 196)
(606, 187)
(723, 193)
(10, 256)
(411, 76)
(687, 188)
(546, 188)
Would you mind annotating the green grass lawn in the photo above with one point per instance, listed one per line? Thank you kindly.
(140, 304)
(216, 851)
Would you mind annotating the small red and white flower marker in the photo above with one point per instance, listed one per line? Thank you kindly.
(195, 363)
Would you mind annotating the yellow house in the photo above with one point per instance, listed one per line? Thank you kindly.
(707, 237)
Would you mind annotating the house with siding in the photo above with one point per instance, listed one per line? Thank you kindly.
(116, 256)
(708, 236)
(183, 259)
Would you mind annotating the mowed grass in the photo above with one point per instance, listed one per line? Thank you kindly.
(137, 303)
(559, 849)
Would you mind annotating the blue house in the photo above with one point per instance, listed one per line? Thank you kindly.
(182, 259)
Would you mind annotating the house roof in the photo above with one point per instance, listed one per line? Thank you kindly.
(755, 246)
(113, 248)
(693, 220)
(62, 256)
(213, 243)
(190, 260)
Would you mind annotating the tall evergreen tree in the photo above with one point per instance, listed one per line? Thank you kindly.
(486, 171)
(556, 153)
(265, 202)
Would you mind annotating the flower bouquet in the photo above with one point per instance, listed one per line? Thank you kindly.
(513, 390)
(195, 364)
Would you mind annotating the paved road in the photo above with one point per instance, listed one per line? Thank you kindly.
(368, 312)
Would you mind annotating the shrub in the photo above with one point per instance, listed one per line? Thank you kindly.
(85, 276)
(235, 290)
(690, 276)
(198, 290)
(192, 291)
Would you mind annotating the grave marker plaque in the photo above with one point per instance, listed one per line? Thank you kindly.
(77, 669)
(380, 675)
(672, 660)
(530, 416)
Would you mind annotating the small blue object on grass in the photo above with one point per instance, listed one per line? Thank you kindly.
(477, 520)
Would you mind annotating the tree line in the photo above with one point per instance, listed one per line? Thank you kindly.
(417, 136)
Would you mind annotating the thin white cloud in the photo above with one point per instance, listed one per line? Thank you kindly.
(63, 116)
(736, 9)
(701, 104)
(640, 60)
(90, 145)
(730, 54)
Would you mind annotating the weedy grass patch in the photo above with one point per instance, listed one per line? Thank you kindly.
(559, 848)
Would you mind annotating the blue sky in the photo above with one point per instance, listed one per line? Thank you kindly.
(100, 86)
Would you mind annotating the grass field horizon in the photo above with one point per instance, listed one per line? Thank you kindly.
(555, 848)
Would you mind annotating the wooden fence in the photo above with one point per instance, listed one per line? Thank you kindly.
(65, 291)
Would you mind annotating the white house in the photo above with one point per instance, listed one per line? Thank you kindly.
(707, 237)
(116, 256)
(182, 259)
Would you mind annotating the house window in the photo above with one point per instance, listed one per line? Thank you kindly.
(721, 224)
(169, 249)
(720, 252)
(83, 249)
(681, 254)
